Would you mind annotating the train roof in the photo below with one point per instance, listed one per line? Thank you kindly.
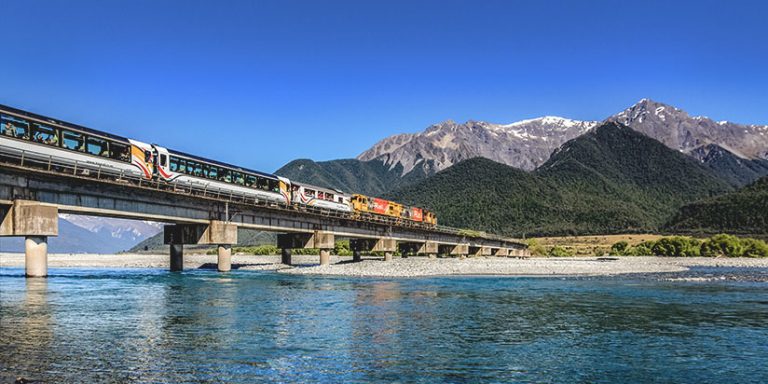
(124, 139)
(221, 164)
(63, 123)
(325, 189)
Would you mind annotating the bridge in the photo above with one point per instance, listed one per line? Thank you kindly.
(33, 192)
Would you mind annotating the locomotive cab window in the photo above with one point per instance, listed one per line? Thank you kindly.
(72, 140)
(44, 134)
(97, 147)
(14, 127)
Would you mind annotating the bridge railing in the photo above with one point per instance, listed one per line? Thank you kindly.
(49, 164)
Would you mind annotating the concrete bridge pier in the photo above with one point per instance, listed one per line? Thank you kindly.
(318, 240)
(285, 256)
(36, 256)
(219, 233)
(325, 257)
(224, 259)
(385, 244)
(35, 221)
(177, 257)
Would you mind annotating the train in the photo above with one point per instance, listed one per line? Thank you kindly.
(42, 139)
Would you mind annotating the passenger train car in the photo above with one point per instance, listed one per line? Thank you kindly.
(35, 137)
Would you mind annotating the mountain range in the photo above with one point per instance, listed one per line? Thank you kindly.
(736, 152)
(610, 179)
(90, 234)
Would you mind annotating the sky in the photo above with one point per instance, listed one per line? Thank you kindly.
(260, 83)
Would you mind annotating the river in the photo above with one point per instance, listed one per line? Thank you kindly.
(142, 325)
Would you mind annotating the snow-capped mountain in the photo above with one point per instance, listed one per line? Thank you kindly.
(678, 130)
(129, 231)
(529, 143)
(89, 234)
(524, 144)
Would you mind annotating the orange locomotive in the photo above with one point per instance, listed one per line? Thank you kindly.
(362, 203)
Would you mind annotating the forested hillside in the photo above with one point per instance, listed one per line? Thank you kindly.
(744, 211)
(350, 175)
(612, 179)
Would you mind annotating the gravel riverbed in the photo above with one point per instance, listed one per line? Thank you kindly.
(413, 266)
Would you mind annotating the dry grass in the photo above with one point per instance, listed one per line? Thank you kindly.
(595, 244)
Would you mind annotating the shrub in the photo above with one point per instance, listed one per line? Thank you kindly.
(558, 251)
(536, 248)
(722, 245)
(341, 248)
(620, 248)
(754, 248)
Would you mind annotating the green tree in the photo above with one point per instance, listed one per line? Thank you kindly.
(754, 248)
(558, 251)
(722, 245)
(620, 248)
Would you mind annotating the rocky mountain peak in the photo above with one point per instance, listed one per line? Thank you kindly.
(524, 144)
(681, 131)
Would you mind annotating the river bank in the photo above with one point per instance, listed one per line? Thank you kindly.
(406, 267)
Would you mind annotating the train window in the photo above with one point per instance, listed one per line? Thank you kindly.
(274, 186)
(225, 175)
(120, 152)
(213, 173)
(163, 160)
(250, 180)
(262, 183)
(174, 164)
(44, 134)
(238, 178)
(14, 127)
(97, 147)
(206, 170)
(72, 140)
(196, 168)
(309, 192)
(341, 200)
(182, 166)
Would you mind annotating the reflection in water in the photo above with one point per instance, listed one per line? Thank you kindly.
(201, 326)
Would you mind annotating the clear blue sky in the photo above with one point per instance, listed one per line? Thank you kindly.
(260, 83)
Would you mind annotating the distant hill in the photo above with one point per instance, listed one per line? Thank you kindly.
(245, 237)
(744, 212)
(88, 234)
(350, 175)
(610, 179)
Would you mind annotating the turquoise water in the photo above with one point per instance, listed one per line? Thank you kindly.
(201, 326)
